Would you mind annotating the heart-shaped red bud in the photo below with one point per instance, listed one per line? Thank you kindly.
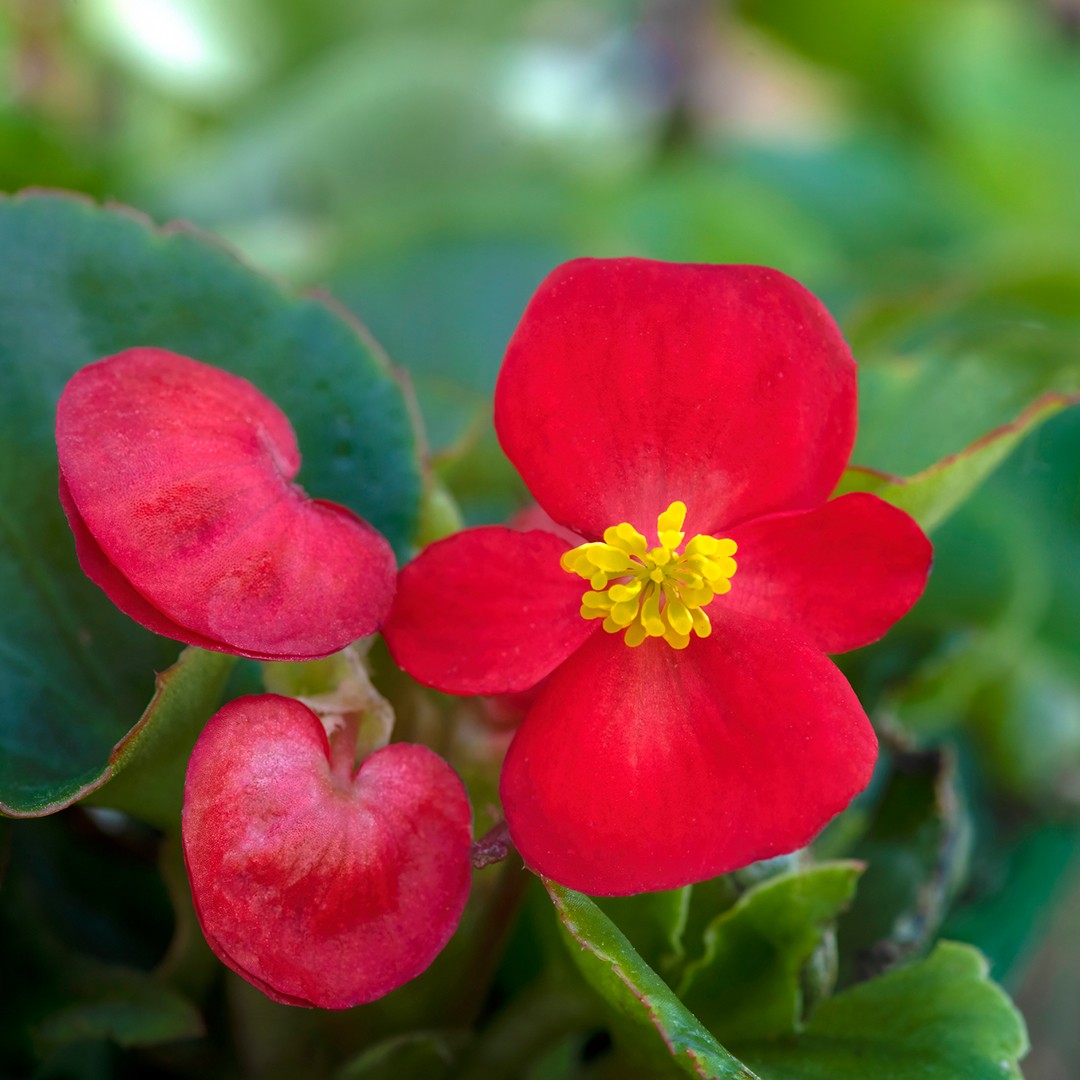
(320, 883)
(176, 478)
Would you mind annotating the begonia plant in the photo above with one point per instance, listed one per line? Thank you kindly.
(627, 688)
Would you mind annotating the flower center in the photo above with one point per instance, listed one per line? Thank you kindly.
(655, 592)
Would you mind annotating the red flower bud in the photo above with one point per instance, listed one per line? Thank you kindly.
(176, 478)
(319, 882)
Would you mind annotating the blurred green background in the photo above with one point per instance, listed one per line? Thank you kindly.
(915, 163)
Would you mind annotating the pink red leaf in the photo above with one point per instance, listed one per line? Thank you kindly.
(321, 888)
(841, 574)
(178, 478)
(648, 768)
(629, 384)
(486, 611)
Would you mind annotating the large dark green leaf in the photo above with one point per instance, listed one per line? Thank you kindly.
(145, 773)
(938, 1019)
(80, 283)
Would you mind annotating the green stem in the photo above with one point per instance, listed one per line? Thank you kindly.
(494, 922)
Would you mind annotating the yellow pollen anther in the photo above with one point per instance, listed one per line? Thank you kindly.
(653, 592)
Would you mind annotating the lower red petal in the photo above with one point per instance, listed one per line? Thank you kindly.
(842, 574)
(486, 611)
(321, 889)
(651, 768)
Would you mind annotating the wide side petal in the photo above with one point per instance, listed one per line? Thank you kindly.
(486, 611)
(183, 475)
(630, 384)
(842, 574)
(649, 768)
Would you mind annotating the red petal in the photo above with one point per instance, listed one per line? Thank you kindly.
(486, 611)
(319, 889)
(644, 769)
(181, 474)
(630, 384)
(842, 574)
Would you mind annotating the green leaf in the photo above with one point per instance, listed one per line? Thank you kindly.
(938, 1019)
(653, 922)
(1021, 876)
(641, 999)
(916, 848)
(80, 283)
(429, 1054)
(748, 983)
(1026, 724)
(932, 495)
(120, 1004)
(145, 773)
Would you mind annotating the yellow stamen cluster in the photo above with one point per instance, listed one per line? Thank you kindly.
(654, 592)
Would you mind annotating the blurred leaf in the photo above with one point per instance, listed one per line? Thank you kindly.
(747, 985)
(1000, 83)
(938, 1019)
(933, 494)
(1018, 877)
(702, 210)
(145, 773)
(879, 43)
(916, 850)
(125, 1006)
(82, 283)
(1026, 724)
(471, 293)
(76, 900)
(429, 1054)
(650, 1010)
(942, 374)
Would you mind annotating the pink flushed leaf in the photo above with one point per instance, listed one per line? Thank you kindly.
(177, 479)
(932, 495)
(321, 884)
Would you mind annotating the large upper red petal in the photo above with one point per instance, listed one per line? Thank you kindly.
(182, 475)
(630, 384)
(321, 889)
(486, 611)
(842, 574)
(650, 768)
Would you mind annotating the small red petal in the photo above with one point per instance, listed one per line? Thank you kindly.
(629, 384)
(651, 768)
(180, 474)
(486, 611)
(318, 889)
(842, 574)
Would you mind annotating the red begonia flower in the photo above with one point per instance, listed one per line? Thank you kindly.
(177, 481)
(321, 883)
(690, 722)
